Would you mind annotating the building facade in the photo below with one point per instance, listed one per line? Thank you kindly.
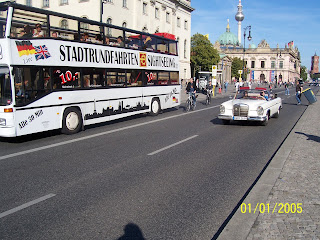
(314, 64)
(264, 64)
(152, 16)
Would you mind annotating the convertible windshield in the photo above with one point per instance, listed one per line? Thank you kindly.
(252, 94)
(5, 87)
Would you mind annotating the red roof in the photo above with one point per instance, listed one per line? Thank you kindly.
(166, 35)
(261, 88)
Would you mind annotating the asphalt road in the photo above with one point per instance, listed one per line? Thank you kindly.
(174, 176)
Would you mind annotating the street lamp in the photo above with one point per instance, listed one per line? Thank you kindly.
(276, 77)
(244, 44)
(101, 8)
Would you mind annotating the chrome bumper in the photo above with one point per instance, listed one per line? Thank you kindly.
(226, 117)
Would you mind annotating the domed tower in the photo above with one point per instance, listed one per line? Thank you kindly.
(228, 39)
(239, 17)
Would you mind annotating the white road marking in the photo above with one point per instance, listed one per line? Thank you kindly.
(28, 204)
(100, 134)
(172, 145)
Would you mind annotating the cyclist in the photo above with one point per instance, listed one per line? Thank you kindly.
(209, 91)
(191, 90)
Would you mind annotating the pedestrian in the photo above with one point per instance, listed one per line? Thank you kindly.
(237, 86)
(298, 92)
(225, 86)
(286, 86)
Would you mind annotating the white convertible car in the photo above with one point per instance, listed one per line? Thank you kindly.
(251, 105)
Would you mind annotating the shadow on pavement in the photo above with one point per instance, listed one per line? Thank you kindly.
(310, 137)
(132, 232)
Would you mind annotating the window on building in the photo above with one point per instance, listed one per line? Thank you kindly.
(281, 64)
(109, 1)
(64, 24)
(64, 2)
(186, 25)
(178, 22)
(252, 64)
(262, 64)
(45, 3)
(185, 49)
(124, 3)
(167, 17)
(29, 3)
(156, 13)
(109, 32)
(273, 64)
(84, 26)
(144, 8)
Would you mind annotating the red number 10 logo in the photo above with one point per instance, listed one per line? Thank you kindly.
(67, 77)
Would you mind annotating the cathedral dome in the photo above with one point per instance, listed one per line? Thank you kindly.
(228, 38)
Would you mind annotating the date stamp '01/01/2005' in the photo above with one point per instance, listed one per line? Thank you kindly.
(277, 208)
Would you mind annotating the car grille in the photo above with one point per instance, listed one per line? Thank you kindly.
(240, 110)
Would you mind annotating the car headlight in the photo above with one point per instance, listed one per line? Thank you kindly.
(222, 109)
(2, 121)
(260, 110)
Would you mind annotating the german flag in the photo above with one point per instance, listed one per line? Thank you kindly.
(25, 48)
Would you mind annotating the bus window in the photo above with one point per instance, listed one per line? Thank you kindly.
(151, 77)
(3, 16)
(25, 23)
(65, 28)
(5, 87)
(162, 46)
(148, 43)
(134, 78)
(113, 34)
(132, 40)
(93, 78)
(163, 78)
(173, 48)
(174, 78)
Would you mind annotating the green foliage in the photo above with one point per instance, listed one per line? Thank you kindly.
(237, 64)
(303, 73)
(203, 54)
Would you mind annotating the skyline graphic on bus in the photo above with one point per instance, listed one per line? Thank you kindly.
(111, 111)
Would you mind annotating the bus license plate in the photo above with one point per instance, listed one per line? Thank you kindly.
(239, 118)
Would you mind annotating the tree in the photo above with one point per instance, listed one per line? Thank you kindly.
(203, 54)
(303, 73)
(237, 64)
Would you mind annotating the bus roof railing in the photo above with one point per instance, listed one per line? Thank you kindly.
(7, 4)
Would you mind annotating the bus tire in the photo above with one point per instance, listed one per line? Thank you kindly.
(72, 121)
(155, 107)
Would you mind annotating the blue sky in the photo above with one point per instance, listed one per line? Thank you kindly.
(276, 21)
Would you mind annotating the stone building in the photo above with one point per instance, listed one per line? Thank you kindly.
(170, 16)
(314, 64)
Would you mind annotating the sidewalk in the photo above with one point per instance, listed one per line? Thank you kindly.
(293, 177)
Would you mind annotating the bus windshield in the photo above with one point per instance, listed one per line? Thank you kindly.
(5, 87)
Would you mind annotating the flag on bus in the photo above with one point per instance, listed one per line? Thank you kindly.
(25, 48)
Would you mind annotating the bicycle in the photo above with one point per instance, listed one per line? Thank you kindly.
(208, 98)
(190, 104)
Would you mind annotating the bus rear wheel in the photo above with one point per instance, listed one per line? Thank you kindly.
(72, 121)
(155, 107)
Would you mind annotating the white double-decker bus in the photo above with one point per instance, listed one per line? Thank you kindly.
(63, 72)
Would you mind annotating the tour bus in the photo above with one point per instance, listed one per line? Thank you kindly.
(63, 72)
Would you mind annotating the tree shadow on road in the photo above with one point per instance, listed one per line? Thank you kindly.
(310, 137)
(132, 232)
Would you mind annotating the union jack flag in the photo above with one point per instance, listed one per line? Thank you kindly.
(42, 52)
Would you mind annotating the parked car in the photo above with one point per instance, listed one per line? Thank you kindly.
(251, 105)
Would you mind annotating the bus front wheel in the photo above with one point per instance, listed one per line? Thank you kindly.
(155, 107)
(72, 121)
